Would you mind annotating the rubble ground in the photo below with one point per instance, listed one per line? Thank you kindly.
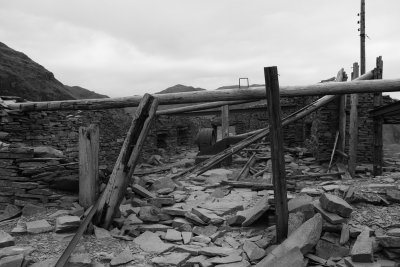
(214, 220)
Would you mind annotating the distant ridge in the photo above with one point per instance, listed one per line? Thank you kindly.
(21, 76)
(179, 88)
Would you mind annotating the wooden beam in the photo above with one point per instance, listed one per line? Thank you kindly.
(257, 135)
(277, 157)
(126, 162)
(224, 121)
(387, 110)
(341, 77)
(211, 96)
(353, 126)
(203, 106)
(378, 124)
(244, 172)
(88, 165)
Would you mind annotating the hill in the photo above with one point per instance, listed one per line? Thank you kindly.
(23, 77)
(179, 88)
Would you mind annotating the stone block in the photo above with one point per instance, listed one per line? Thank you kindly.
(336, 205)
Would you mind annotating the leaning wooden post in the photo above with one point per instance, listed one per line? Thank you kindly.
(277, 157)
(88, 165)
(353, 126)
(126, 162)
(378, 123)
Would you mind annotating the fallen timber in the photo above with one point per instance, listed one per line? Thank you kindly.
(256, 93)
(261, 133)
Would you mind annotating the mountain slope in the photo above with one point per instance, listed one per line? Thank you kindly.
(179, 88)
(21, 76)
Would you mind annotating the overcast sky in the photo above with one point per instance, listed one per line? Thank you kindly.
(128, 47)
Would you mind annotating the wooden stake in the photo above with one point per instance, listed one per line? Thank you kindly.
(378, 124)
(333, 151)
(245, 170)
(277, 157)
(341, 77)
(362, 37)
(88, 165)
(224, 121)
(353, 126)
(126, 162)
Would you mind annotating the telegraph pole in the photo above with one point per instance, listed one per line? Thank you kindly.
(362, 37)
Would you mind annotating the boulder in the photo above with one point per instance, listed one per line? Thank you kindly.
(67, 224)
(335, 205)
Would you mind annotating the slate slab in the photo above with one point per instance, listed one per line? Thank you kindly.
(362, 250)
(336, 205)
(12, 261)
(172, 259)
(6, 240)
(67, 224)
(124, 257)
(150, 242)
(329, 216)
(253, 251)
(39, 226)
(252, 214)
(325, 250)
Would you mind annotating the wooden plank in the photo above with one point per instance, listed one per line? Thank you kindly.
(257, 135)
(341, 77)
(203, 106)
(277, 157)
(126, 162)
(256, 93)
(333, 151)
(378, 124)
(244, 172)
(88, 165)
(353, 126)
(314, 175)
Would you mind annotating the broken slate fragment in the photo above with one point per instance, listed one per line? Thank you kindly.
(171, 259)
(223, 207)
(173, 235)
(80, 260)
(336, 205)
(124, 257)
(150, 242)
(302, 203)
(149, 214)
(194, 218)
(329, 216)
(187, 237)
(6, 240)
(101, 233)
(217, 251)
(39, 226)
(12, 261)
(67, 224)
(295, 220)
(208, 230)
(253, 251)
(362, 250)
(292, 258)
(143, 192)
(394, 232)
(326, 250)
(387, 241)
(252, 214)
(226, 260)
(30, 209)
(207, 216)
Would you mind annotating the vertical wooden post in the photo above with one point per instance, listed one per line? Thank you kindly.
(378, 124)
(88, 165)
(341, 77)
(277, 157)
(224, 121)
(353, 125)
(126, 162)
(362, 37)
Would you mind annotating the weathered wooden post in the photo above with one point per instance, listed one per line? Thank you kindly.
(378, 124)
(88, 165)
(126, 162)
(224, 121)
(353, 126)
(277, 157)
(341, 77)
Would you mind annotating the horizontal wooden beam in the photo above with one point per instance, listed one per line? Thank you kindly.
(390, 109)
(255, 93)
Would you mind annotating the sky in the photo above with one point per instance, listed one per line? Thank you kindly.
(131, 47)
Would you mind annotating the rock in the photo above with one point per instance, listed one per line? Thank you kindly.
(232, 242)
(124, 257)
(208, 230)
(393, 195)
(325, 250)
(252, 214)
(12, 261)
(141, 191)
(253, 251)
(305, 238)
(235, 220)
(207, 216)
(336, 205)
(178, 222)
(191, 249)
(174, 211)
(150, 242)
(127, 209)
(344, 234)
(149, 214)
(350, 263)
(187, 237)
(47, 152)
(10, 212)
(216, 251)
(15, 250)
(30, 209)
(389, 241)
(153, 227)
(200, 260)
(6, 240)
(292, 258)
(172, 259)
(163, 183)
(330, 217)
(362, 250)
(311, 191)
(295, 220)
(201, 239)
(194, 218)
(173, 235)
(80, 260)
(59, 213)
(302, 203)
(161, 201)
(242, 263)
(133, 220)
(67, 224)
(101, 233)
(222, 207)
(46, 263)
(331, 187)
(263, 242)
(164, 191)
(226, 260)
(39, 226)
(394, 232)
